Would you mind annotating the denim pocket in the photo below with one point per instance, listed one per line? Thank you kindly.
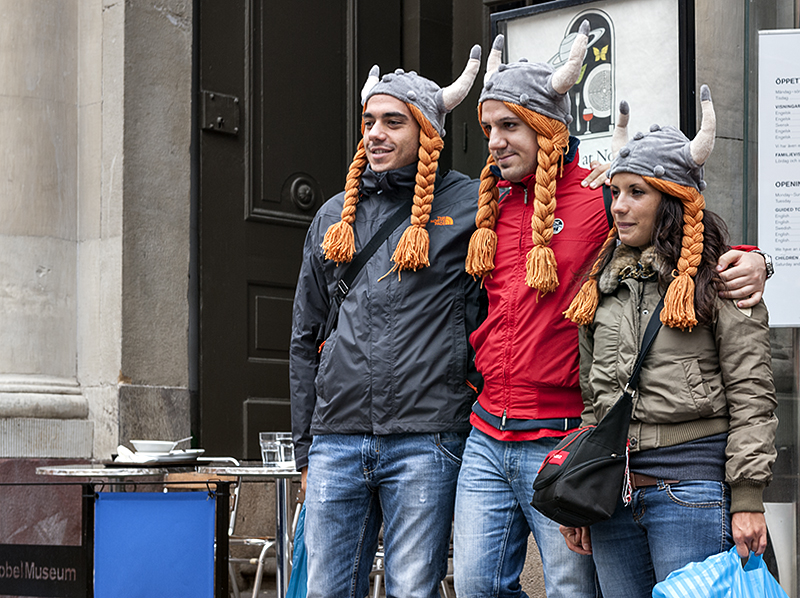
(451, 445)
(698, 494)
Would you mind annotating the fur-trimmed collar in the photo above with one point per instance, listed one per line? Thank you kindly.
(631, 262)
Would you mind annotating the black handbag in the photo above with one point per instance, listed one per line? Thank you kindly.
(580, 481)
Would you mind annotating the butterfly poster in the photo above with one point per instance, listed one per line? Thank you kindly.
(634, 54)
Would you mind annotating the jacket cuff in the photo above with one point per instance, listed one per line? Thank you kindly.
(300, 457)
(746, 496)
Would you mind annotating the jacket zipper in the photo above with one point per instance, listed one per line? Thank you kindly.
(504, 417)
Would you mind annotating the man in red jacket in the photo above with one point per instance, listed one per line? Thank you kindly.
(538, 228)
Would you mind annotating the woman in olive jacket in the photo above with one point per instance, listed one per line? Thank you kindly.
(702, 431)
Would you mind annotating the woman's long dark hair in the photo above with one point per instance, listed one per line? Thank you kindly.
(667, 238)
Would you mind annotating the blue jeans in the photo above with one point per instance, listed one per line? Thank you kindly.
(355, 483)
(494, 517)
(664, 528)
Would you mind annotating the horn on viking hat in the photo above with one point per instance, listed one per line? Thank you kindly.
(620, 137)
(454, 94)
(372, 80)
(566, 76)
(701, 146)
(495, 57)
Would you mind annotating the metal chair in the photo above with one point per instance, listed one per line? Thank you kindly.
(378, 574)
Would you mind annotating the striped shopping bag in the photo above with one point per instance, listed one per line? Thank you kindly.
(721, 576)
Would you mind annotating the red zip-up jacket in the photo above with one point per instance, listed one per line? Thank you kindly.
(526, 349)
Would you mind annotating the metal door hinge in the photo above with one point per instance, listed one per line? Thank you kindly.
(219, 112)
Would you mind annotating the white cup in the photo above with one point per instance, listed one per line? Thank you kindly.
(277, 449)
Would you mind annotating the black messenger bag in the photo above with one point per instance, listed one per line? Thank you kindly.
(581, 480)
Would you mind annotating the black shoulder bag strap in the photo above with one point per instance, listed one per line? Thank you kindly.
(616, 420)
(607, 199)
(352, 269)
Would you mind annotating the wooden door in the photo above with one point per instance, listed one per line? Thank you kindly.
(279, 114)
(278, 117)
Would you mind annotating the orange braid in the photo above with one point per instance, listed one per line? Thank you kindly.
(339, 242)
(678, 309)
(483, 243)
(553, 139)
(584, 305)
(412, 250)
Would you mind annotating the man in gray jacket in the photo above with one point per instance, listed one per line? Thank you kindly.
(381, 400)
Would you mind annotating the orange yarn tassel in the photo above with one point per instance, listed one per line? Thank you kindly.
(583, 307)
(411, 252)
(678, 309)
(339, 243)
(541, 269)
(481, 252)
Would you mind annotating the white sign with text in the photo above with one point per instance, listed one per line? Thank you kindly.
(779, 170)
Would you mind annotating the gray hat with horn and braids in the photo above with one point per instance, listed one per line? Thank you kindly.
(535, 85)
(429, 105)
(537, 94)
(433, 101)
(665, 152)
(667, 160)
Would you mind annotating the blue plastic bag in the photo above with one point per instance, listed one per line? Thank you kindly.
(721, 576)
(298, 580)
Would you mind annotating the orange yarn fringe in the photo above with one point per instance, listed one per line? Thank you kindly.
(678, 309)
(542, 269)
(339, 241)
(553, 139)
(482, 249)
(483, 243)
(542, 272)
(584, 305)
(411, 252)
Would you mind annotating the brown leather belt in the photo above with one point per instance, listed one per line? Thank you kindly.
(639, 480)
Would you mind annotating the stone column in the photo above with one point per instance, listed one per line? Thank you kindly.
(42, 411)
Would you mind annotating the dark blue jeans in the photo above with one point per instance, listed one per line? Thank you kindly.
(355, 483)
(665, 527)
(494, 518)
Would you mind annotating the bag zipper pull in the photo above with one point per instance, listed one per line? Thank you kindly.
(503, 420)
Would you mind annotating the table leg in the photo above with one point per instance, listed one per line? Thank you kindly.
(221, 579)
(282, 486)
(87, 535)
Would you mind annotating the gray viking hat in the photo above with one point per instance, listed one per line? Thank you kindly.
(535, 85)
(433, 101)
(665, 152)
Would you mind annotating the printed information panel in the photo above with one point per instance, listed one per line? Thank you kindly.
(779, 170)
(48, 571)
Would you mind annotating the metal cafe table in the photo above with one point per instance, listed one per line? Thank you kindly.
(282, 478)
(137, 474)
